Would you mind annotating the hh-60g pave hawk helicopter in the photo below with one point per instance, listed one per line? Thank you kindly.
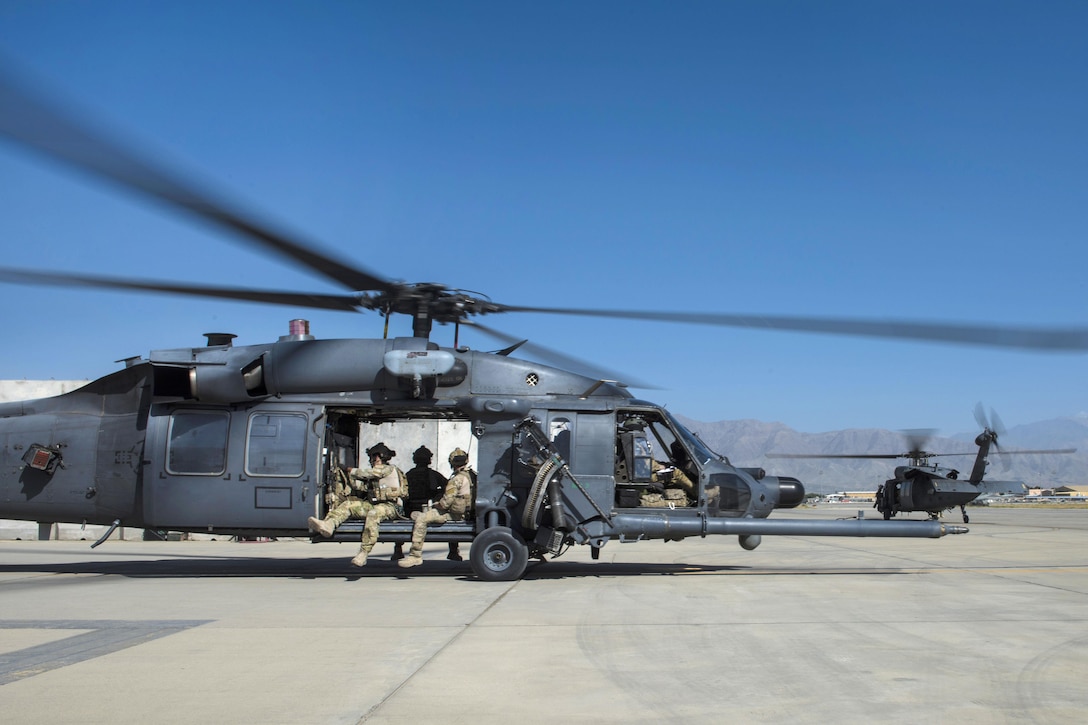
(929, 487)
(243, 440)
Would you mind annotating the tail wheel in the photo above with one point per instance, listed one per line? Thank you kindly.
(498, 555)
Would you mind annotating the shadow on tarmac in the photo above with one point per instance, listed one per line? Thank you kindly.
(335, 567)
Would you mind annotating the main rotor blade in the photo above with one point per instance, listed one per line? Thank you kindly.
(347, 303)
(562, 360)
(1073, 339)
(902, 455)
(1003, 452)
(835, 455)
(38, 124)
(917, 438)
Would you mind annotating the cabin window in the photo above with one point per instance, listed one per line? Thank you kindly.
(559, 432)
(276, 445)
(198, 443)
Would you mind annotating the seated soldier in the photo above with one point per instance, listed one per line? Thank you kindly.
(377, 497)
(670, 484)
(455, 505)
(425, 485)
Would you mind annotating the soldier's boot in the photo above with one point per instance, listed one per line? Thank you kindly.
(398, 551)
(320, 526)
(455, 552)
(415, 556)
(360, 558)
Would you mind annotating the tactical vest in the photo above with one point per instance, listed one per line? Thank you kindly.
(462, 497)
(387, 489)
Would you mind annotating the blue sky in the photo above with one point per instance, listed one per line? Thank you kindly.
(878, 160)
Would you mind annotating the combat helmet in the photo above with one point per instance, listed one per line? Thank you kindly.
(422, 456)
(380, 450)
(458, 458)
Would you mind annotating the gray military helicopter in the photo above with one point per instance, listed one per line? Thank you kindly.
(929, 487)
(247, 439)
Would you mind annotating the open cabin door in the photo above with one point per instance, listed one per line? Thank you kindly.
(222, 468)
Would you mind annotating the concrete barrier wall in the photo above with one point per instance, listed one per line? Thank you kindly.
(31, 389)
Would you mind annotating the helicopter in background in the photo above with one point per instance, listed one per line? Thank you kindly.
(930, 487)
(247, 439)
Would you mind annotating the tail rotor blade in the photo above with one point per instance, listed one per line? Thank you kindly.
(980, 416)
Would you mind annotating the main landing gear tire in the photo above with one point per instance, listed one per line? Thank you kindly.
(498, 555)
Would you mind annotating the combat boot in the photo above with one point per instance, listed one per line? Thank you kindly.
(360, 558)
(455, 552)
(398, 551)
(320, 526)
(410, 560)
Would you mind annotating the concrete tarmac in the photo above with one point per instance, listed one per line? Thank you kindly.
(987, 627)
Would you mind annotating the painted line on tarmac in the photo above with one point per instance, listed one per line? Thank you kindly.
(105, 637)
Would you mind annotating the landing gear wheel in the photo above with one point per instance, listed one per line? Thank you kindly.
(498, 555)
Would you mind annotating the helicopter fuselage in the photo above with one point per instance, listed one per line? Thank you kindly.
(928, 489)
(246, 440)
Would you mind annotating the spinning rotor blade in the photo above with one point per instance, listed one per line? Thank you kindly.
(916, 439)
(349, 303)
(39, 125)
(992, 424)
(562, 360)
(1051, 339)
(834, 455)
(1015, 452)
(910, 454)
(35, 122)
(992, 429)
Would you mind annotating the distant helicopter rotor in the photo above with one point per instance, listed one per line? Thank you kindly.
(917, 455)
(992, 427)
(917, 438)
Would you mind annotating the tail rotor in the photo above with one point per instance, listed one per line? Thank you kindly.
(992, 430)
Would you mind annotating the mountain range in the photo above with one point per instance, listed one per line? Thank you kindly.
(747, 443)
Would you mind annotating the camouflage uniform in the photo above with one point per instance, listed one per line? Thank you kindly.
(337, 490)
(454, 505)
(425, 485)
(390, 484)
(676, 488)
(350, 508)
(377, 493)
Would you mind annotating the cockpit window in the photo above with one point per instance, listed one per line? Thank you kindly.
(699, 450)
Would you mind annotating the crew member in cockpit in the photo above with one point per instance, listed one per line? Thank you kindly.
(670, 482)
